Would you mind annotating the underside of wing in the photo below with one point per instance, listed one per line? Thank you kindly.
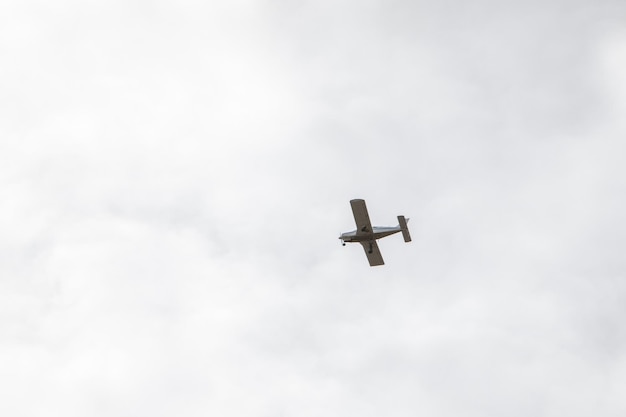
(361, 218)
(373, 253)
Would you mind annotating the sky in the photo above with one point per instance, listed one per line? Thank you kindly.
(175, 175)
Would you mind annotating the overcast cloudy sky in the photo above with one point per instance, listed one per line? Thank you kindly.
(174, 176)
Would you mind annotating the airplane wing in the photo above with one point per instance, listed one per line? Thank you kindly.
(361, 218)
(373, 253)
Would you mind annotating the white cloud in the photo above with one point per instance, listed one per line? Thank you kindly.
(175, 177)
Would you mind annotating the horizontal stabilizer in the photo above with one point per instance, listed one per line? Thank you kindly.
(405, 229)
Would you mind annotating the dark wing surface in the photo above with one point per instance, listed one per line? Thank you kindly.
(373, 253)
(361, 218)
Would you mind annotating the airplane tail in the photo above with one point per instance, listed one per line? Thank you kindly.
(404, 228)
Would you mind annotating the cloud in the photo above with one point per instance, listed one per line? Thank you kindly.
(176, 176)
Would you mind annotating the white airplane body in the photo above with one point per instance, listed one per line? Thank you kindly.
(367, 235)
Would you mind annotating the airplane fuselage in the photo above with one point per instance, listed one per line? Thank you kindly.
(364, 236)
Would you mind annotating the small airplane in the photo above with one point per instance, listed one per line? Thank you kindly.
(367, 235)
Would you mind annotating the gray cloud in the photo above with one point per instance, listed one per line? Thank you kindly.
(175, 177)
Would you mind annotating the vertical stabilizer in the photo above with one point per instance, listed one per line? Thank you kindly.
(405, 229)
